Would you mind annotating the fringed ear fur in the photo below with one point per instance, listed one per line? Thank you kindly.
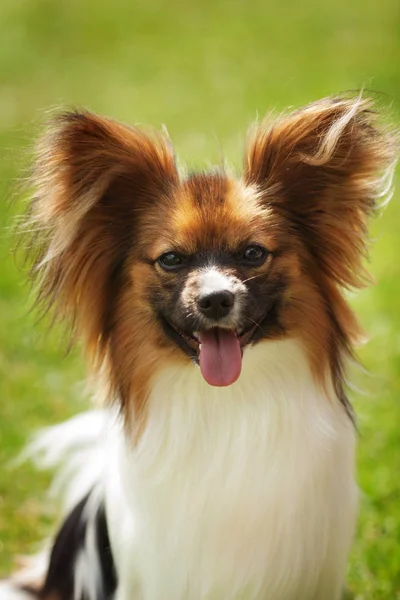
(92, 178)
(326, 168)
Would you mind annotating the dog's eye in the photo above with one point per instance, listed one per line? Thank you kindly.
(255, 255)
(171, 261)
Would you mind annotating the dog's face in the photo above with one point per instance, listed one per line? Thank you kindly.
(154, 268)
(214, 277)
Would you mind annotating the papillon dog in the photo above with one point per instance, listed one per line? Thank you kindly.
(214, 315)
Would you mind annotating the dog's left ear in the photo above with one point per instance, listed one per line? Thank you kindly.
(93, 179)
(326, 168)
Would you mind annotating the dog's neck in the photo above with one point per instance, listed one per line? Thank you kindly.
(275, 390)
(215, 474)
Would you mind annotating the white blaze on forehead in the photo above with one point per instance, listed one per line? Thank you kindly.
(212, 281)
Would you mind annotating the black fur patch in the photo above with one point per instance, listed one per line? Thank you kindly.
(69, 544)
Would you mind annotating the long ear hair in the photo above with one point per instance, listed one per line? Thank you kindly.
(326, 168)
(92, 178)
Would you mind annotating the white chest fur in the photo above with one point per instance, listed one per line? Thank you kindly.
(238, 493)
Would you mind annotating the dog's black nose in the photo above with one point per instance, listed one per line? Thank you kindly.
(217, 305)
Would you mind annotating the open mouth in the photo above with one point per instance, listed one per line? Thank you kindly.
(194, 341)
(217, 350)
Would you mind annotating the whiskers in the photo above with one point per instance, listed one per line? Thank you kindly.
(253, 277)
(255, 323)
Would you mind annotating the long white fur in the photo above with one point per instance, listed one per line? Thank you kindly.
(245, 492)
(8, 591)
(238, 493)
(74, 450)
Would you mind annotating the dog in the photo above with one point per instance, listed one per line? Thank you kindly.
(213, 312)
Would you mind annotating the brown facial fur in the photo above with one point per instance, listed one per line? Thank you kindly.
(108, 202)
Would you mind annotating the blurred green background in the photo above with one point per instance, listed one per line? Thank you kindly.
(205, 69)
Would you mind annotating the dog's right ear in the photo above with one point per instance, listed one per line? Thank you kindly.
(91, 180)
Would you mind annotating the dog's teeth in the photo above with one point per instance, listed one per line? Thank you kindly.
(199, 346)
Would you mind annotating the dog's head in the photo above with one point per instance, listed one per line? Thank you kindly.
(209, 272)
(154, 267)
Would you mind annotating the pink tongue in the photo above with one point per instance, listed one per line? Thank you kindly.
(220, 356)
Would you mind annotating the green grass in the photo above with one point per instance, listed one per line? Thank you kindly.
(205, 69)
